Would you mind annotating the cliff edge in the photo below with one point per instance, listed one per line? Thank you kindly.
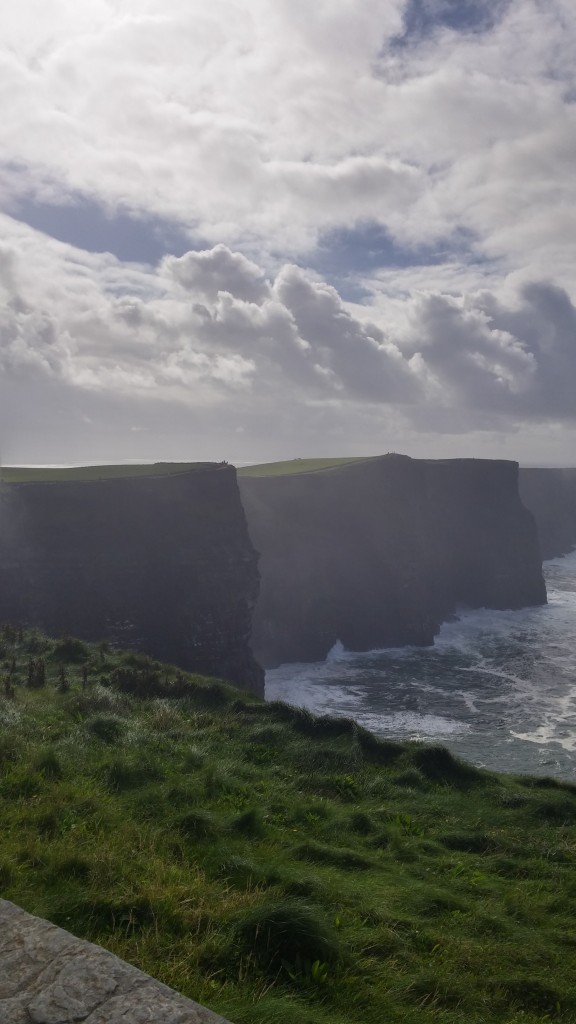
(550, 494)
(379, 552)
(158, 561)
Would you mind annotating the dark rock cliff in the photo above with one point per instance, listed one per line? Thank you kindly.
(159, 563)
(550, 494)
(378, 553)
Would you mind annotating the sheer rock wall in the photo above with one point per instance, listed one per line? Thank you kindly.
(161, 563)
(379, 553)
(550, 494)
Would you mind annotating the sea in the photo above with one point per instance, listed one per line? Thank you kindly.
(498, 688)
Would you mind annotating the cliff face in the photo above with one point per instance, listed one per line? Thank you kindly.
(159, 563)
(378, 553)
(550, 494)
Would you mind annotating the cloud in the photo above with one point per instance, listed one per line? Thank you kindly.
(417, 155)
(482, 356)
(209, 330)
(219, 270)
(264, 127)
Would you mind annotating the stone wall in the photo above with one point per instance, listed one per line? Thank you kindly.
(48, 976)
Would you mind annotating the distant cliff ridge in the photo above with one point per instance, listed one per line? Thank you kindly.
(550, 494)
(379, 552)
(158, 560)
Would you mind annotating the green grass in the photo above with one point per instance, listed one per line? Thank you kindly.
(279, 868)
(296, 466)
(61, 474)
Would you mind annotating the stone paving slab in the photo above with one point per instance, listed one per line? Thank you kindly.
(48, 976)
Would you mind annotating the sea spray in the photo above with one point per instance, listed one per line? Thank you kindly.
(497, 687)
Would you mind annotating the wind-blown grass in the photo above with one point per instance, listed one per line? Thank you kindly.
(277, 868)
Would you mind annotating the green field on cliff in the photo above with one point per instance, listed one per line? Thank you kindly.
(279, 868)
(61, 474)
(296, 466)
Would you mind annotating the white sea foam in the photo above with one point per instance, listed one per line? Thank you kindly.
(517, 709)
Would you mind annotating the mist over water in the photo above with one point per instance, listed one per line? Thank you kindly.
(497, 688)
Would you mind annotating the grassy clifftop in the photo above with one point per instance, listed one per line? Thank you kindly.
(279, 868)
(61, 474)
(296, 466)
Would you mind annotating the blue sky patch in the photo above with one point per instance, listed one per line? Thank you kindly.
(422, 17)
(346, 254)
(87, 225)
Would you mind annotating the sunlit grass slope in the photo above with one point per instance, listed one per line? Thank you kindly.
(294, 466)
(48, 474)
(279, 868)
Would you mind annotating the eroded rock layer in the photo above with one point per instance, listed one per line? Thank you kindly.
(379, 553)
(159, 563)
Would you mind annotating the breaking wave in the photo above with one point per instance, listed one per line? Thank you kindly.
(498, 687)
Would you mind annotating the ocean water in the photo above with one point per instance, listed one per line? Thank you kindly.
(497, 688)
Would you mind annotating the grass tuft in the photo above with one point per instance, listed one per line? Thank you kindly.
(283, 934)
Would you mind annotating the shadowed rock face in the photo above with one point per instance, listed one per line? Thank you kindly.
(161, 564)
(379, 553)
(550, 494)
(47, 976)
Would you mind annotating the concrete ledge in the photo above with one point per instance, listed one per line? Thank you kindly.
(48, 976)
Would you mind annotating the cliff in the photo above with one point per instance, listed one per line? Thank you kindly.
(550, 494)
(379, 552)
(159, 561)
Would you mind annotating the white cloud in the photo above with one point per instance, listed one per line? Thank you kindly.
(219, 270)
(258, 128)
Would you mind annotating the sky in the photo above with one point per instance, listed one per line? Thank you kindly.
(264, 229)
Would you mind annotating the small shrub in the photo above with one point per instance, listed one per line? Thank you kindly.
(439, 765)
(193, 759)
(121, 775)
(468, 842)
(337, 856)
(361, 823)
(260, 753)
(48, 765)
(269, 735)
(379, 751)
(556, 812)
(72, 867)
(527, 994)
(436, 990)
(283, 934)
(71, 650)
(6, 875)
(106, 728)
(249, 823)
(198, 824)
(306, 887)
(410, 779)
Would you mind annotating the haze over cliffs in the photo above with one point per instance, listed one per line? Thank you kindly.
(373, 552)
(550, 494)
(154, 558)
(378, 552)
